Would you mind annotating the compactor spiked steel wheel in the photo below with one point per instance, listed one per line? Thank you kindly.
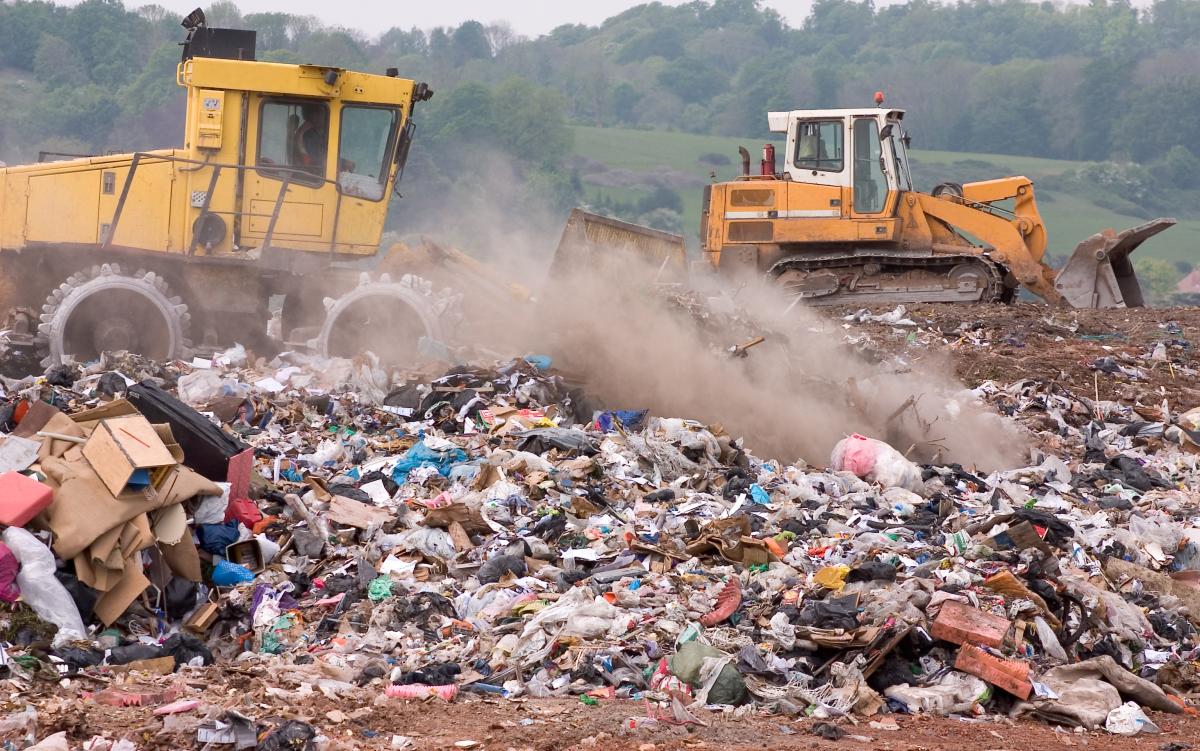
(107, 310)
(388, 318)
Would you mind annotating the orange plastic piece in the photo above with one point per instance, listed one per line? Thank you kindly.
(728, 601)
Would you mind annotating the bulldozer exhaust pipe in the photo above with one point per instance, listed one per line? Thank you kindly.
(745, 155)
(768, 160)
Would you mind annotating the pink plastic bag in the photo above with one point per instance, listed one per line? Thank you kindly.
(9, 566)
(877, 462)
(855, 454)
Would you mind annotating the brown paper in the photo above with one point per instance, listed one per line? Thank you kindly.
(37, 418)
(183, 558)
(113, 604)
(351, 513)
(83, 509)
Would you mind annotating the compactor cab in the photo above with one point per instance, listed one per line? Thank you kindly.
(284, 174)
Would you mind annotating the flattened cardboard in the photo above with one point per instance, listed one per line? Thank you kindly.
(35, 419)
(351, 513)
(183, 558)
(60, 423)
(115, 408)
(101, 564)
(170, 524)
(84, 509)
(113, 604)
(203, 618)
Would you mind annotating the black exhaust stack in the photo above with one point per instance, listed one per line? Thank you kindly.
(225, 44)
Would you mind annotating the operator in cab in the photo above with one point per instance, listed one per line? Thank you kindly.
(312, 138)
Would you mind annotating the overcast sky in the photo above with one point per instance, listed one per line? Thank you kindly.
(527, 17)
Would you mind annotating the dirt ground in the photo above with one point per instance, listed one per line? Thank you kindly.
(1006, 343)
(567, 725)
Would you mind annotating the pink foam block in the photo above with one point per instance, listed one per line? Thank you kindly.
(421, 691)
(22, 498)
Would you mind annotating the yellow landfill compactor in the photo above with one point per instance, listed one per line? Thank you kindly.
(280, 191)
(841, 223)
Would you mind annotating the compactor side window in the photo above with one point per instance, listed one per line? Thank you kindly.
(295, 134)
(365, 153)
(819, 145)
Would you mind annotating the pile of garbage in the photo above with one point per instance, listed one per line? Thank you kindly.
(489, 530)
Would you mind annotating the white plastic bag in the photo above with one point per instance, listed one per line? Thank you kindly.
(39, 587)
(955, 693)
(211, 509)
(199, 386)
(876, 461)
(1049, 640)
(1157, 528)
(1129, 719)
(431, 541)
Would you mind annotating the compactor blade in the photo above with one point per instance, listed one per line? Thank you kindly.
(1100, 273)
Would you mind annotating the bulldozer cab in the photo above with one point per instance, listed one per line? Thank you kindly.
(861, 153)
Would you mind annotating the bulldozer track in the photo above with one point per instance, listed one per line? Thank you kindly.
(988, 275)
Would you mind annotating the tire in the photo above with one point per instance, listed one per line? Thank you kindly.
(107, 305)
(389, 319)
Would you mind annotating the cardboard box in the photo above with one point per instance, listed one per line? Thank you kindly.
(204, 617)
(248, 553)
(127, 451)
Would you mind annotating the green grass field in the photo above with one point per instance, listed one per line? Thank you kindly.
(1069, 218)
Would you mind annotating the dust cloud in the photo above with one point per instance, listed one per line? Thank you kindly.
(634, 344)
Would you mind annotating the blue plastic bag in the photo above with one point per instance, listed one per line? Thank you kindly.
(420, 455)
(759, 496)
(227, 574)
(632, 419)
(214, 538)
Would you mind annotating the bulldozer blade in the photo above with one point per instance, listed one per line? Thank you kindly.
(592, 243)
(1100, 273)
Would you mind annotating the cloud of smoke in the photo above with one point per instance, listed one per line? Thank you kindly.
(635, 345)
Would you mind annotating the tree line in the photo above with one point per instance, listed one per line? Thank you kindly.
(1103, 81)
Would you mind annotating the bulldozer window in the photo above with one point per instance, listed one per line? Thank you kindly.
(819, 145)
(368, 134)
(870, 182)
(899, 140)
(295, 134)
